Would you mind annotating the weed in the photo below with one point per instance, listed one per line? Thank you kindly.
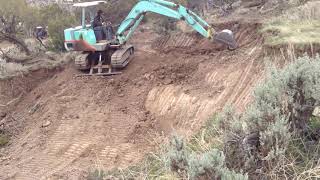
(96, 175)
(314, 123)
(4, 140)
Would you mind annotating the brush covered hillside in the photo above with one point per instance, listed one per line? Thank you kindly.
(184, 108)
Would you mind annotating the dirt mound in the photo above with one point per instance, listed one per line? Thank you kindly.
(194, 44)
(72, 124)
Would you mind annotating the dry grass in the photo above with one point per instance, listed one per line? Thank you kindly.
(298, 26)
(300, 33)
(156, 165)
(11, 69)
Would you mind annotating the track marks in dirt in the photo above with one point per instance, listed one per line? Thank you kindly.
(174, 41)
(108, 121)
(223, 78)
(120, 156)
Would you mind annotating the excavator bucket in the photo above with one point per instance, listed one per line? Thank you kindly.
(226, 37)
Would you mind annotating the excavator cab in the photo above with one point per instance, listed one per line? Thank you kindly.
(84, 37)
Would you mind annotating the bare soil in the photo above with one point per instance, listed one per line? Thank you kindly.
(64, 125)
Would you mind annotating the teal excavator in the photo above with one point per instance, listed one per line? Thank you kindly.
(102, 57)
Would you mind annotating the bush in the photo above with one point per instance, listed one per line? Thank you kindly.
(165, 25)
(57, 20)
(280, 114)
(207, 165)
(56, 29)
(96, 175)
(275, 138)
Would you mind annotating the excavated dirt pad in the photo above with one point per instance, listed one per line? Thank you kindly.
(220, 78)
(74, 123)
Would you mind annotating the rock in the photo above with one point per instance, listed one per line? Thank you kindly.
(168, 81)
(121, 95)
(162, 76)
(180, 75)
(2, 114)
(149, 77)
(144, 119)
(111, 81)
(139, 83)
(173, 76)
(51, 55)
(316, 112)
(46, 124)
(147, 112)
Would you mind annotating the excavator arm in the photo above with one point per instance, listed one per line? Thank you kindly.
(172, 10)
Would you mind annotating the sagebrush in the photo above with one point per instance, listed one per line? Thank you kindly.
(261, 139)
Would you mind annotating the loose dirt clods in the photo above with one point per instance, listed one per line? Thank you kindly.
(68, 124)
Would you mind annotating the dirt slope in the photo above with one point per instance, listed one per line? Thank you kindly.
(71, 124)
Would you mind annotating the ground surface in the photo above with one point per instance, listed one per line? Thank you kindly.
(68, 124)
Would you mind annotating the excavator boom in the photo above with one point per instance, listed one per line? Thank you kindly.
(172, 10)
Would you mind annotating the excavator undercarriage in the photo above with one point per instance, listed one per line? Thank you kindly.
(104, 63)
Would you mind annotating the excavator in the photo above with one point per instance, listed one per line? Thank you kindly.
(107, 57)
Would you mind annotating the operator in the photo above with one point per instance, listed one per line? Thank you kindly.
(98, 25)
(109, 28)
(40, 34)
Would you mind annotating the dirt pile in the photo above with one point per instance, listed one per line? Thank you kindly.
(71, 124)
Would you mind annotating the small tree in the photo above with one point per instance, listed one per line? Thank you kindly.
(15, 20)
(57, 20)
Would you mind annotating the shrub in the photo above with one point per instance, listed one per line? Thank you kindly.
(165, 25)
(56, 29)
(207, 165)
(178, 155)
(96, 175)
(280, 113)
(57, 20)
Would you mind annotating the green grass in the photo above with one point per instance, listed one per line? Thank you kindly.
(314, 123)
(301, 32)
(4, 140)
(96, 175)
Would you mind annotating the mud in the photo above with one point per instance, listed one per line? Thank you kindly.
(71, 124)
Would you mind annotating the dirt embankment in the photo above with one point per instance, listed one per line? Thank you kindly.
(71, 124)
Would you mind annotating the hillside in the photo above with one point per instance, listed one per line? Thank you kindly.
(62, 125)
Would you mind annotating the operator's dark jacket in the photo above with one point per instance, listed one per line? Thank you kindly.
(108, 30)
(97, 21)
